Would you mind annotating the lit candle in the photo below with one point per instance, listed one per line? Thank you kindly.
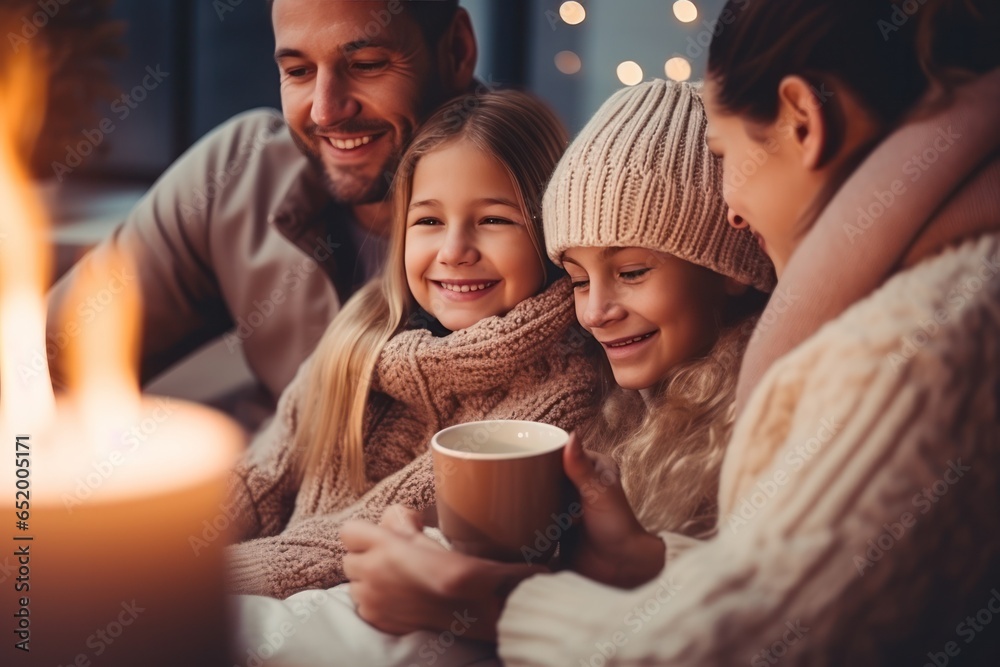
(117, 570)
(104, 495)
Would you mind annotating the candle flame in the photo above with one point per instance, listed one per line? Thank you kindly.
(102, 360)
(101, 425)
(25, 263)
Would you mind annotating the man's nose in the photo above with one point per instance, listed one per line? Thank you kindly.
(333, 101)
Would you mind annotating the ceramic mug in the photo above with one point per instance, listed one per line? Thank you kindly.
(501, 489)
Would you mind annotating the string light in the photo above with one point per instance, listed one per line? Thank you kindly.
(572, 12)
(678, 69)
(568, 62)
(629, 73)
(685, 11)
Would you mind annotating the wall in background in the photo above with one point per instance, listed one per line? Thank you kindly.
(646, 32)
(215, 59)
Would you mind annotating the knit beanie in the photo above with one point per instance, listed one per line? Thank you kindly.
(640, 174)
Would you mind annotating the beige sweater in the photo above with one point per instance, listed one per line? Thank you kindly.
(858, 503)
(529, 364)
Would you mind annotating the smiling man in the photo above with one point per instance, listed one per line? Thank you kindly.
(356, 81)
(265, 227)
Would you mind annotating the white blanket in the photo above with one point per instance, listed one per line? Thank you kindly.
(320, 628)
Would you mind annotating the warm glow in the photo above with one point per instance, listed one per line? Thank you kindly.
(101, 368)
(102, 417)
(572, 12)
(568, 62)
(116, 491)
(629, 73)
(25, 263)
(678, 69)
(685, 11)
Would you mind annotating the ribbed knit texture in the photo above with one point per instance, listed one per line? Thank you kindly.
(528, 364)
(640, 174)
(858, 504)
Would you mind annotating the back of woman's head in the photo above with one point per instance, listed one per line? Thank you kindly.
(521, 133)
(887, 52)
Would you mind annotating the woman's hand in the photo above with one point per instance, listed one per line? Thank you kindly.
(404, 581)
(610, 545)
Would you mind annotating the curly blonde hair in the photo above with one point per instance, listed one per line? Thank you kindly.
(670, 445)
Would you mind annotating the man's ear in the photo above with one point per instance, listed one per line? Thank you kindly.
(801, 120)
(458, 53)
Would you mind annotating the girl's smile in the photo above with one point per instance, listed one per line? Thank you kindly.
(468, 252)
(623, 348)
(465, 290)
(649, 310)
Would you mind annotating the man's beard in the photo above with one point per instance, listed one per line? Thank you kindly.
(351, 186)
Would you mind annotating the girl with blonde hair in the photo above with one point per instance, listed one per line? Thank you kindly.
(467, 322)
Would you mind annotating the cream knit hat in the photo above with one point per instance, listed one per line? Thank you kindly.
(640, 174)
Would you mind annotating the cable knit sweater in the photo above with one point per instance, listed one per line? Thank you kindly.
(530, 364)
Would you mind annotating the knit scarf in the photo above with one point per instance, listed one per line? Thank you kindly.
(913, 209)
(428, 371)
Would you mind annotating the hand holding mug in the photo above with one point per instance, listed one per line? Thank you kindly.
(610, 545)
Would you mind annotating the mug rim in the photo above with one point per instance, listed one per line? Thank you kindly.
(498, 456)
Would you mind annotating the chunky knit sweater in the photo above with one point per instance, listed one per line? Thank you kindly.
(531, 363)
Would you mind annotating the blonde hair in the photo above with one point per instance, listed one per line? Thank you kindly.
(670, 446)
(523, 135)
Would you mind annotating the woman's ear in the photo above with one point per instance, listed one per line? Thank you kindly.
(800, 120)
(458, 53)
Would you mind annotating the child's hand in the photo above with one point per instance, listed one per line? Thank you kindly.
(610, 545)
(404, 581)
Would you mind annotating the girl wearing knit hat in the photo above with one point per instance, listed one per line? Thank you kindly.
(634, 213)
(468, 322)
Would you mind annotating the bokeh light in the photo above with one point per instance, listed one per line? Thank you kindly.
(568, 62)
(678, 69)
(629, 73)
(572, 12)
(685, 11)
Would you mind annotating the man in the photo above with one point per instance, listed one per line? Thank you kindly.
(267, 225)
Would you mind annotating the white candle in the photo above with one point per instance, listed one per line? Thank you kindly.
(114, 575)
